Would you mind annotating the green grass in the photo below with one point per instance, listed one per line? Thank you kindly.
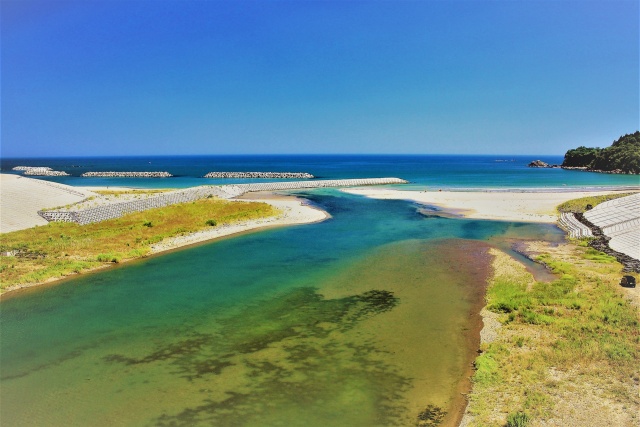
(580, 205)
(519, 419)
(59, 249)
(580, 322)
(596, 255)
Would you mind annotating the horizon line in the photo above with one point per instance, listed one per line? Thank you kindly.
(273, 155)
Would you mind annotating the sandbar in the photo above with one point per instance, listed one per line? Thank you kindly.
(513, 205)
(294, 211)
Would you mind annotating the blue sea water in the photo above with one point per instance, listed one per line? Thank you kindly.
(421, 170)
(361, 320)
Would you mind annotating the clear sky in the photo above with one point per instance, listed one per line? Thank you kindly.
(118, 77)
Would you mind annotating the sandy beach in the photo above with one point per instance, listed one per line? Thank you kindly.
(493, 205)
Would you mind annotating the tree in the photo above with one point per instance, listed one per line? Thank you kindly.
(623, 155)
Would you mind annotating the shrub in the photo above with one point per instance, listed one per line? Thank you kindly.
(211, 222)
(148, 224)
(519, 419)
(108, 258)
(486, 368)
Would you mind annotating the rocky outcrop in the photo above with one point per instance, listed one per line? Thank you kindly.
(539, 164)
(267, 175)
(127, 174)
(586, 169)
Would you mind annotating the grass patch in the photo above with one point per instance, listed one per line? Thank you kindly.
(580, 205)
(580, 324)
(519, 419)
(59, 249)
(596, 255)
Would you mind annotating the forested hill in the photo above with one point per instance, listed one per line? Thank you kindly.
(622, 157)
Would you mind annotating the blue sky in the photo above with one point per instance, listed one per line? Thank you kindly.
(123, 77)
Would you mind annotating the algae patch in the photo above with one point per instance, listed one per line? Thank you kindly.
(288, 354)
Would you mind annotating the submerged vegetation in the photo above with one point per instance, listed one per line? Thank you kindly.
(60, 248)
(571, 343)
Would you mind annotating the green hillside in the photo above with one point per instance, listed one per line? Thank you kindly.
(622, 156)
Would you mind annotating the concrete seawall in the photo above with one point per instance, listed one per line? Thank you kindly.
(116, 210)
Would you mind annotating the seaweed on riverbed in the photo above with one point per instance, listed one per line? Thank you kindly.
(432, 416)
(284, 350)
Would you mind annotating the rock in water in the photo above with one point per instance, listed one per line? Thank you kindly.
(539, 164)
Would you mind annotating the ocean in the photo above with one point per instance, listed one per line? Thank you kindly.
(369, 318)
(421, 170)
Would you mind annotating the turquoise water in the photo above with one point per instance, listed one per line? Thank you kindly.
(362, 320)
(420, 170)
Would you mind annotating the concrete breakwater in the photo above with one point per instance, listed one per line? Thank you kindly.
(328, 183)
(44, 172)
(116, 210)
(39, 171)
(127, 174)
(272, 175)
(26, 168)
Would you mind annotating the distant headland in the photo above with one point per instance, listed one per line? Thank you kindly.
(622, 157)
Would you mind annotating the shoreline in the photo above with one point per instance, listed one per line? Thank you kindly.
(294, 211)
(537, 206)
(488, 326)
(474, 339)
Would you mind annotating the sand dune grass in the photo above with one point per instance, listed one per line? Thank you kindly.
(580, 205)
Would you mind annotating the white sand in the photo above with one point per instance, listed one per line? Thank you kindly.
(498, 205)
(21, 198)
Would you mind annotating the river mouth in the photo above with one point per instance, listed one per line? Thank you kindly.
(368, 319)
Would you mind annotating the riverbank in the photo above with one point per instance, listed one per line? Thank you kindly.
(288, 210)
(514, 205)
(294, 211)
(561, 353)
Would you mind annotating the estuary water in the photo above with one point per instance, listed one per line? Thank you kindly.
(366, 319)
(369, 318)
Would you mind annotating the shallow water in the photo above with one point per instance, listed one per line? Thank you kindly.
(366, 319)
